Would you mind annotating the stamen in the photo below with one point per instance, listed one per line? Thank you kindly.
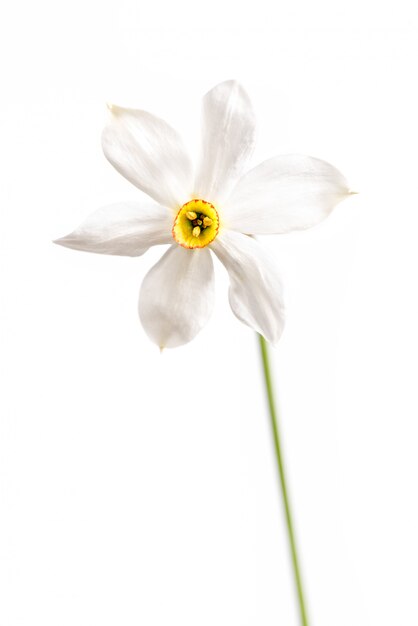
(207, 221)
(191, 215)
(196, 231)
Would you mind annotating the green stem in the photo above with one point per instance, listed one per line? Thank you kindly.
(282, 476)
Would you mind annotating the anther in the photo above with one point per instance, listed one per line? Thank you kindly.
(207, 221)
(196, 231)
(191, 215)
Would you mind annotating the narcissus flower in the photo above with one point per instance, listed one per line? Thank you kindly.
(214, 209)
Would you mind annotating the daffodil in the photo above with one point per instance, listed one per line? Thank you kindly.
(215, 209)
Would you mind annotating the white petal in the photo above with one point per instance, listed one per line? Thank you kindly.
(150, 154)
(228, 135)
(128, 229)
(285, 193)
(255, 293)
(177, 296)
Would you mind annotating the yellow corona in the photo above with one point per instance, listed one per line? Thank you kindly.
(196, 224)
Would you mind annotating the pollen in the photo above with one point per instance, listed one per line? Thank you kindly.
(196, 224)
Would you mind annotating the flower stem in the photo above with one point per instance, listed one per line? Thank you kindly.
(282, 476)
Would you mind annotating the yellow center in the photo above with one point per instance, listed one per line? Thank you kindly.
(196, 224)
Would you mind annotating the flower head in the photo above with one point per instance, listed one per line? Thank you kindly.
(214, 209)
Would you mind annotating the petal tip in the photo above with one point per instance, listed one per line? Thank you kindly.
(60, 241)
(69, 241)
(230, 84)
(231, 81)
(114, 109)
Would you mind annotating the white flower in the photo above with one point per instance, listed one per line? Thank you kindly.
(215, 209)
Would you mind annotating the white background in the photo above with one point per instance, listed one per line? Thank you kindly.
(141, 489)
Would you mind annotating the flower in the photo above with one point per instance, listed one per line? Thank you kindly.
(218, 209)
